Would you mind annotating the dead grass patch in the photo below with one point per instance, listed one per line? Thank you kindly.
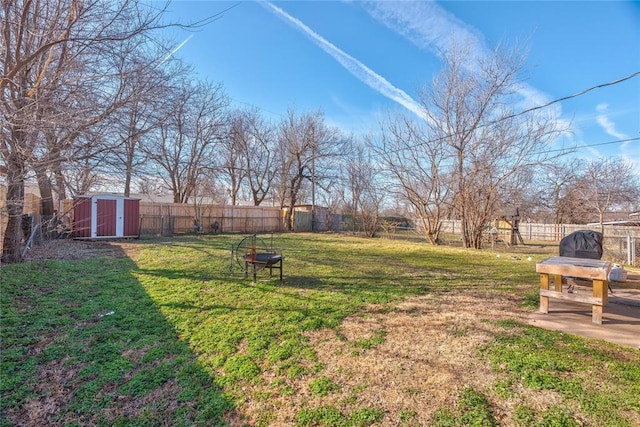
(429, 354)
(53, 391)
(67, 249)
(128, 407)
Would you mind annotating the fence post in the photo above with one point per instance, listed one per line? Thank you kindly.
(161, 220)
(629, 253)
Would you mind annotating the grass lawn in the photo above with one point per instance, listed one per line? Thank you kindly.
(362, 332)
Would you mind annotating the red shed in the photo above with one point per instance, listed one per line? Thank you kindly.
(105, 216)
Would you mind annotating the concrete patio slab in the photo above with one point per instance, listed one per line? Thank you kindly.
(621, 318)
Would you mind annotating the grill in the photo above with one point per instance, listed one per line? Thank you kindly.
(582, 244)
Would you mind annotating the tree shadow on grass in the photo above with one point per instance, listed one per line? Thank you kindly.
(83, 343)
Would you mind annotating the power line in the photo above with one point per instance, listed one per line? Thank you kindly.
(597, 144)
(209, 19)
(256, 106)
(575, 95)
(564, 98)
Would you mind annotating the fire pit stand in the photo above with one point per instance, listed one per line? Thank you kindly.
(253, 254)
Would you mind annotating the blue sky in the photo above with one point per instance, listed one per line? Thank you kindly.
(357, 61)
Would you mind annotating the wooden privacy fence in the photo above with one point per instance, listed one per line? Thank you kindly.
(167, 219)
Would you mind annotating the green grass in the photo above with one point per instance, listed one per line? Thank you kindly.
(172, 338)
(330, 416)
(596, 378)
(322, 386)
(90, 333)
(472, 409)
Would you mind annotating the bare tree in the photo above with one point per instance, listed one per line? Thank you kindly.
(188, 137)
(553, 186)
(259, 152)
(80, 177)
(44, 45)
(62, 69)
(308, 148)
(366, 190)
(146, 76)
(231, 161)
(419, 168)
(69, 124)
(607, 183)
(248, 155)
(470, 107)
(333, 200)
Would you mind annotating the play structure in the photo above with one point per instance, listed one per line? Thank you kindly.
(508, 229)
(252, 254)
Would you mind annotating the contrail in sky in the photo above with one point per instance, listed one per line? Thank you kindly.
(603, 120)
(429, 26)
(175, 49)
(351, 64)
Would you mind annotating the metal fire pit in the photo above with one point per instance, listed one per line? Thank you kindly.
(253, 254)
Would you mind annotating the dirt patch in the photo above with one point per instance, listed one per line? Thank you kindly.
(53, 391)
(67, 249)
(428, 355)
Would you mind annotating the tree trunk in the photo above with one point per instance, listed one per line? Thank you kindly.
(46, 195)
(288, 223)
(288, 218)
(601, 218)
(12, 244)
(296, 183)
(60, 183)
(127, 179)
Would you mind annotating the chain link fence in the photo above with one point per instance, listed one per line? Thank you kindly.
(621, 243)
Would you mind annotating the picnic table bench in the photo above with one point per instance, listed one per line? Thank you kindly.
(556, 267)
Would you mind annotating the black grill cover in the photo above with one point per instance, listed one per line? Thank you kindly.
(582, 244)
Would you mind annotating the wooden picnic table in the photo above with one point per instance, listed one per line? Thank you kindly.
(556, 267)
